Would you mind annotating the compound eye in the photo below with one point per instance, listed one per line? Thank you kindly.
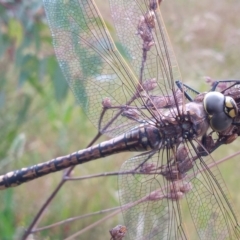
(220, 121)
(220, 109)
(230, 107)
(213, 102)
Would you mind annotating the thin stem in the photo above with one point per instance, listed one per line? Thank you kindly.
(107, 174)
(222, 160)
(93, 225)
(123, 208)
(74, 219)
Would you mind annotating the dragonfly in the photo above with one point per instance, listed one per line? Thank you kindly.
(133, 92)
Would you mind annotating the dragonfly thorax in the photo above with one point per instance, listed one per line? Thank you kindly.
(191, 124)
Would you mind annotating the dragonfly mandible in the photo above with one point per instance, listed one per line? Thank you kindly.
(133, 97)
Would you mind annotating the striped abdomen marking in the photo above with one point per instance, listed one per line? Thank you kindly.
(141, 139)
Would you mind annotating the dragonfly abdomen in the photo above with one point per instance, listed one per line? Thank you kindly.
(140, 139)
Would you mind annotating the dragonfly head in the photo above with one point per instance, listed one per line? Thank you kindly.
(221, 110)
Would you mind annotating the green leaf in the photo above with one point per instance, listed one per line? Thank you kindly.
(15, 31)
(123, 50)
(7, 215)
(25, 103)
(4, 43)
(59, 82)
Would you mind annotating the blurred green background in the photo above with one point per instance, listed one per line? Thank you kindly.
(40, 120)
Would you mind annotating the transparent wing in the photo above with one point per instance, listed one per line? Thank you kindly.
(93, 66)
(153, 197)
(160, 62)
(148, 212)
(100, 78)
(90, 62)
(209, 202)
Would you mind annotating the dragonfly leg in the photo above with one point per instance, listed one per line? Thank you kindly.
(208, 145)
(216, 83)
(180, 86)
